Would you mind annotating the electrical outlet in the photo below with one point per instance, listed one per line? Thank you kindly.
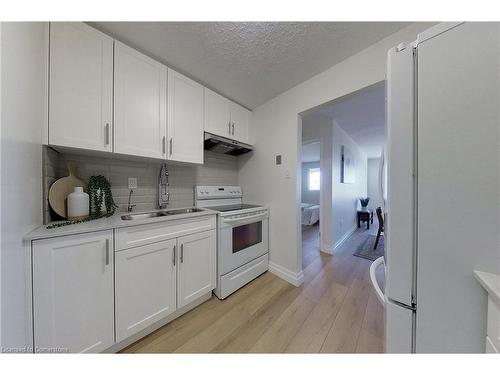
(132, 183)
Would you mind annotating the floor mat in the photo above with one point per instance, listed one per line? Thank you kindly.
(365, 249)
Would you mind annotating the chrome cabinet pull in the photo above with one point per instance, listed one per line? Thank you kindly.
(233, 128)
(182, 253)
(106, 134)
(164, 144)
(174, 255)
(229, 127)
(170, 146)
(107, 251)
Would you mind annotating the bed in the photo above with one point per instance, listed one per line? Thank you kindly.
(310, 213)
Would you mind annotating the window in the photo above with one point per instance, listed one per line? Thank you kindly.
(314, 179)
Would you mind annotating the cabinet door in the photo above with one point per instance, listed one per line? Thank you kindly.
(145, 286)
(81, 87)
(217, 118)
(185, 119)
(140, 104)
(196, 272)
(240, 119)
(73, 293)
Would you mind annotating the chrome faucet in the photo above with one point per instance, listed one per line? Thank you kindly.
(130, 206)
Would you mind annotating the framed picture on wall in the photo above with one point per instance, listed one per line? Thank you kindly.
(346, 166)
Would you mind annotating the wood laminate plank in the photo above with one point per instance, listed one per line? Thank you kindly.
(335, 310)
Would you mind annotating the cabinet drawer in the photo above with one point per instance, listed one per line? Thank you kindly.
(493, 330)
(139, 235)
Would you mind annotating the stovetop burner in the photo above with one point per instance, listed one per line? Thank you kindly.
(232, 207)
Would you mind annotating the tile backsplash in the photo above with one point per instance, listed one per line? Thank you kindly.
(218, 169)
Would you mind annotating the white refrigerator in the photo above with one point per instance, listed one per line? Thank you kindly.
(443, 197)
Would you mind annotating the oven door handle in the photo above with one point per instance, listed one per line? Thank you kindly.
(245, 218)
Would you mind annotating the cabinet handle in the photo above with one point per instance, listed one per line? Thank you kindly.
(170, 146)
(182, 253)
(233, 128)
(164, 144)
(174, 255)
(229, 127)
(107, 134)
(107, 252)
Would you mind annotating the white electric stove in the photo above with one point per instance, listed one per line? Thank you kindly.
(243, 236)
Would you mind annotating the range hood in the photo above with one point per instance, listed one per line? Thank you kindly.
(224, 145)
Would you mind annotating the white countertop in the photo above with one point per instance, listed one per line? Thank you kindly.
(490, 282)
(106, 223)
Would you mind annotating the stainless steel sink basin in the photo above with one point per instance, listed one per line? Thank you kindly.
(149, 215)
(183, 211)
(145, 215)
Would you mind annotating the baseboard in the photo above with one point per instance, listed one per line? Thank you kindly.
(293, 278)
(344, 237)
(326, 248)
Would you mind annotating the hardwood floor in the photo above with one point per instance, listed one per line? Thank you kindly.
(334, 311)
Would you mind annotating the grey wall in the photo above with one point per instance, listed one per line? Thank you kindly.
(307, 195)
(218, 169)
(346, 196)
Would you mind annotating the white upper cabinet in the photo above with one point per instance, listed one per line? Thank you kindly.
(197, 269)
(240, 121)
(217, 116)
(145, 286)
(73, 293)
(226, 118)
(185, 119)
(80, 87)
(128, 103)
(140, 98)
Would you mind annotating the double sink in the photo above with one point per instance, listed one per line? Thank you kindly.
(149, 215)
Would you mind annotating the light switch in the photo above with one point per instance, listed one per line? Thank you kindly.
(132, 183)
(278, 159)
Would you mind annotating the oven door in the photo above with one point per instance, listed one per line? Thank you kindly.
(242, 239)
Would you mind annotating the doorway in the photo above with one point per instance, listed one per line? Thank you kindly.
(310, 200)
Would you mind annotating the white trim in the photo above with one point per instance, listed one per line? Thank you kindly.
(293, 278)
(344, 238)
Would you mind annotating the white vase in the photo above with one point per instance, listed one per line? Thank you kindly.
(78, 204)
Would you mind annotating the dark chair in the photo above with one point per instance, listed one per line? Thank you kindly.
(380, 226)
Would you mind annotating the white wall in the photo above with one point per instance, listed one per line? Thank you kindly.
(346, 196)
(372, 184)
(23, 112)
(276, 129)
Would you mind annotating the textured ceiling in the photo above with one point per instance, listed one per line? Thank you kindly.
(362, 116)
(249, 62)
(311, 152)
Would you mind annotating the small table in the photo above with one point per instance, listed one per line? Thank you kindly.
(365, 215)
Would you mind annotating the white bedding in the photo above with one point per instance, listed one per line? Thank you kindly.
(310, 213)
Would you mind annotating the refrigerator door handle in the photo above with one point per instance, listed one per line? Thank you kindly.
(373, 269)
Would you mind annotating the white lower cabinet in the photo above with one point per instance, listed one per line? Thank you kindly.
(73, 293)
(196, 272)
(145, 286)
(93, 291)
